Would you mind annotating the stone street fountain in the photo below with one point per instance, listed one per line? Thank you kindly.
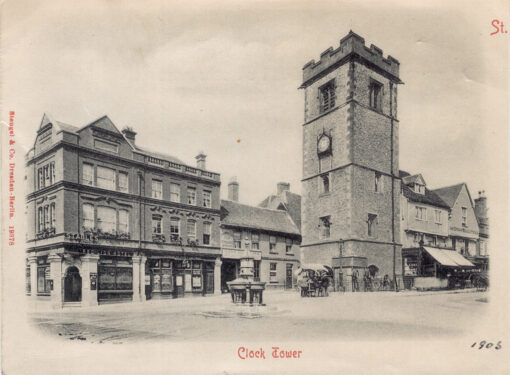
(245, 290)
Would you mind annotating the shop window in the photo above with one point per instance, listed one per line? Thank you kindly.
(237, 239)
(88, 174)
(123, 182)
(191, 229)
(106, 219)
(123, 221)
(116, 277)
(27, 280)
(288, 245)
(272, 273)
(156, 224)
(88, 216)
(157, 189)
(43, 276)
(371, 223)
(206, 195)
(192, 196)
(327, 96)
(207, 234)
(175, 193)
(255, 239)
(325, 225)
(375, 94)
(324, 184)
(272, 244)
(106, 178)
(175, 232)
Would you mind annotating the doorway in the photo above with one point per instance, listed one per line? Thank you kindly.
(229, 272)
(288, 277)
(72, 285)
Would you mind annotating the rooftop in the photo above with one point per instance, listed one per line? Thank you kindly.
(264, 219)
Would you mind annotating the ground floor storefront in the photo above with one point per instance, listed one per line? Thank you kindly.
(435, 268)
(66, 277)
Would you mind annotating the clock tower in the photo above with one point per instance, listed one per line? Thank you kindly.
(351, 188)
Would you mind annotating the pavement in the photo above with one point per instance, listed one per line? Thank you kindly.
(286, 316)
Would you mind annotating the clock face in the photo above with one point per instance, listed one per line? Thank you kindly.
(323, 143)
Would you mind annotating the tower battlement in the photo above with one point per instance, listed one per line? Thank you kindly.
(351, 44)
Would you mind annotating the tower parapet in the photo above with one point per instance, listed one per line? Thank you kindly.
(350, 45)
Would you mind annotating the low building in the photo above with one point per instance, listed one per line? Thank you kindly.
(110, 221)
(269, 236)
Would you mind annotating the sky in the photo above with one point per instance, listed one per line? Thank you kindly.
(222, 77)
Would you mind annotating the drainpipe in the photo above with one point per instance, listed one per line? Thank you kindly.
(393, 195)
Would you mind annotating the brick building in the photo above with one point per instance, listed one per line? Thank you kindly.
(268, 235)
(351, 186)
(110, 221)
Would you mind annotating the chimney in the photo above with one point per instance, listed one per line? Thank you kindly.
(233, 190)
(281, 187)
(129, 133)
(201, 160)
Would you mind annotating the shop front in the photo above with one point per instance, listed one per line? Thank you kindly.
(115, 279)
(177, 278)
(433, 268)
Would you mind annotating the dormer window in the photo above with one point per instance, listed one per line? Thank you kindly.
(418, 188)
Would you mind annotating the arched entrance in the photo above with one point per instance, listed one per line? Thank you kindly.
(72, 285)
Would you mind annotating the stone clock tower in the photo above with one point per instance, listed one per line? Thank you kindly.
(351, 188)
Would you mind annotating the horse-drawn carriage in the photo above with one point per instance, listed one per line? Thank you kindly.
(314, 279)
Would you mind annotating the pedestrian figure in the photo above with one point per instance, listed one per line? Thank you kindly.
(355, 286)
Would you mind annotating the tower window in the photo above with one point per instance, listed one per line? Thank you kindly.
(375, 92)
(327, 96)
(378, 183)
(324, 183)
(372, 221)
(325, 225)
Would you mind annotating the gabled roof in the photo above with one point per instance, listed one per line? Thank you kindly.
(106, 123)
(264, 219)
(417, 178)
(430, 197)
(450, 194)
(291, 202)
(47, 119)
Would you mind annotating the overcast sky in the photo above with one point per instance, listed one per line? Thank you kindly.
(196, 76)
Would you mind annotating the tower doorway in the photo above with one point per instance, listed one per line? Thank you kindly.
(72, 285)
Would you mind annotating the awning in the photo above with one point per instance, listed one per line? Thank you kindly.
(449, 258)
